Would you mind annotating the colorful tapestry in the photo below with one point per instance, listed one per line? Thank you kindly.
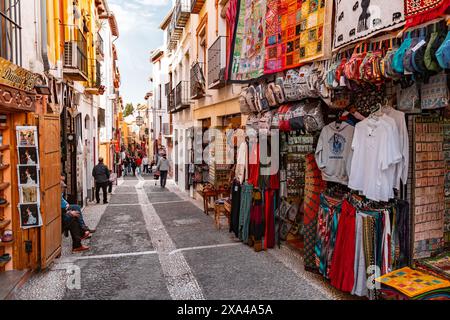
(439, 264)
(274, 44)
(357, 20)
(412, 283)
(249, 43)
(297, 32)
(421, 11)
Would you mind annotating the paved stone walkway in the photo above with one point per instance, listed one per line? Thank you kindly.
(154, 243)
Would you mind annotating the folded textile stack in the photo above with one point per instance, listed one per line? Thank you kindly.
(409, 284)
(438, 266)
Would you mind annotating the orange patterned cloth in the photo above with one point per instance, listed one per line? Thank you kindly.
(412, 282)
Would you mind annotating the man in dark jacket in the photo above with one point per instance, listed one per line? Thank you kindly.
(101, 176)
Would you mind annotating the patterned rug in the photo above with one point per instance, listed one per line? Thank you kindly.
(249, 43)
(357, 20)
(413, 283)
(420, 11)
(297, 32)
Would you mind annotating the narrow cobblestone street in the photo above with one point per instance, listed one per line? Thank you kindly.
(154, 243)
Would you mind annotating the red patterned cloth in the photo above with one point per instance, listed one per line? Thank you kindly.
(421, 11)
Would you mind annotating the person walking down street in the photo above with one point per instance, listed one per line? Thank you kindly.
(133, 165)
(101, 176)
(145, 164)
(138, 164)
(112, 180)
(163, 166)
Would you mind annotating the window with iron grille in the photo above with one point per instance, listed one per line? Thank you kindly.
(11, 31)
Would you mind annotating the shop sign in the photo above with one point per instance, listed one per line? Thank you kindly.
(17, 77)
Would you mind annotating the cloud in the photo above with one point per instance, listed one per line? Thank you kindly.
(155, 3)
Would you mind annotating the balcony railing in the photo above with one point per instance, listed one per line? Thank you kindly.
(75, 57)
(182, 12)
(11, 31)
(171, 101)
(217, 62)
(198, 86)
(182, 95)
(196, 5)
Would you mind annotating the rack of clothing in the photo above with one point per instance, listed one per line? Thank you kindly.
(355, 233)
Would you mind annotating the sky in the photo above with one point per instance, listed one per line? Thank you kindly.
(139, 33)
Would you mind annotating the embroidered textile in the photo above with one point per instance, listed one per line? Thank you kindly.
(356, 20)
(249, 48)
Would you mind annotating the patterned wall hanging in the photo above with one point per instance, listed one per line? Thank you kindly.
(249, 43)
(357, 20)
(421, 11)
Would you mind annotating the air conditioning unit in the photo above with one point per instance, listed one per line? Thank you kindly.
(70, 55)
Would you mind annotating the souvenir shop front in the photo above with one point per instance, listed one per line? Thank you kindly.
(361, 116)
(30, 229)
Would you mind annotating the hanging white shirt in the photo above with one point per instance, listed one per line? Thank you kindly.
(401, 173)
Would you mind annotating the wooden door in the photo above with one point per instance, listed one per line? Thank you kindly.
(50, 167)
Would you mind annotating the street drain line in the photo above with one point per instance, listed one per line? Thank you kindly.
(181, 282)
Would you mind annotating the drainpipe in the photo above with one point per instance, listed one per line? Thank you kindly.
(44, 42)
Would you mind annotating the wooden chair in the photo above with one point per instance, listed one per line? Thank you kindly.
(209, 193)
(220, 209)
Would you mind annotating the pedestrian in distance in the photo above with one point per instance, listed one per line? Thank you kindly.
(133, 165)
(138, 165)
(101, 176)
(145, 164)
(163, 167)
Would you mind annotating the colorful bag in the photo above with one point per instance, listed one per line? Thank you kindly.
(251, 98)
(397, 61)
(407, 58)
(296, 122)
(352, 67)
(408, 99)
(417, 59)
(331, 81)
(434, 94)
(265, 122)
(443, 53)
(261, 94)
(284, 115)
(244, 106)
(306, 91)
(253, 121)
(386, 63)
(370, 69)
(270, 95)
(313, 118)
(436, 39)
(291, 85)
(277, 92)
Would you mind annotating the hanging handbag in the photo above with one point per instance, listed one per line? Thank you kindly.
(265, 122)
(397, 61)
(352, 67)
(443, 53)
(244, 106)
(251, 98)
(407, 57)
(417, 59)
(436, 39)
(386, 62)
(291, 85)
(277, 92)
(408, 99)
(435, 93)
(284, 115)
(261, 94)
(313, 119)
(296, 122)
